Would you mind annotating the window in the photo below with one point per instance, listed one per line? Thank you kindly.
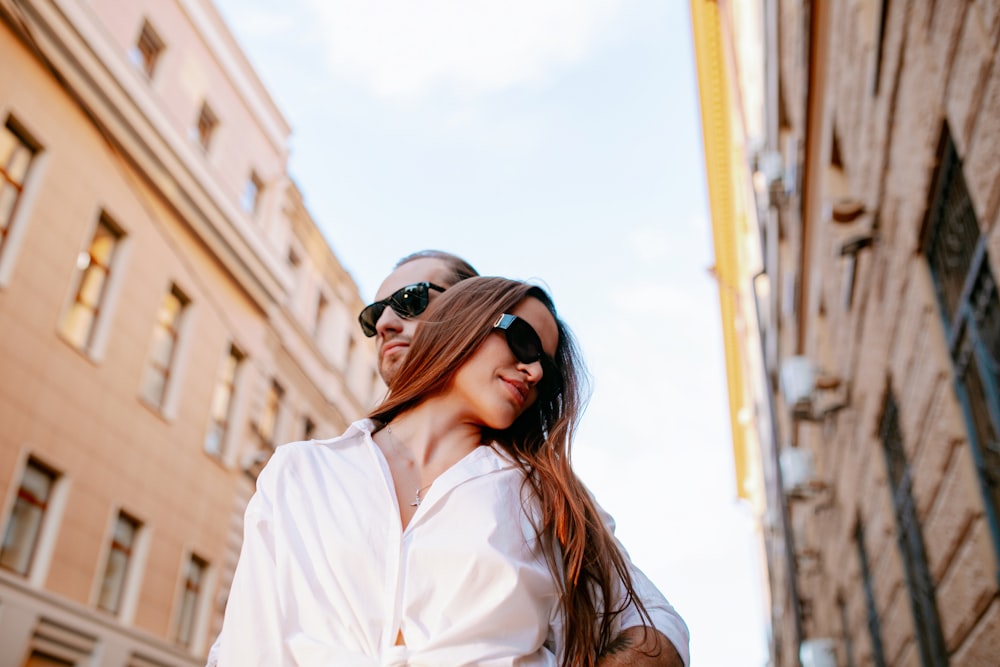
(54, 643)
(16, 154)
(194, 577)
(874, 627)
(251, 193)
(204, 127)
(927, 624)
(266, 427)
(93, 273)
(222, 402)
(966, 291)
(322, 306)
(39, 659)
(165, 338)
(147, 50)
(119, 557)
(269, 418)
(25, 522)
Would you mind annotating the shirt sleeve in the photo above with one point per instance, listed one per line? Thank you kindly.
(253, 626)
(213, 654)
(664, 617)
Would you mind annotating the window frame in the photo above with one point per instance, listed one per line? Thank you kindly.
(147, 60)
(14, 227)
(223, 426)
(92, 342)
(127, 571)
(206, 123)
(928, 631)
(174, 333)
(253, 190)
(190, 623)
(951, 222)
(873, 621)
(48, 509)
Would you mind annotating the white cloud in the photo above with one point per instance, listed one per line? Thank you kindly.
(403, 48)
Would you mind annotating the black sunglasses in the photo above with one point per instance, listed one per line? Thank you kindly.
(526, 347)
(407, 301)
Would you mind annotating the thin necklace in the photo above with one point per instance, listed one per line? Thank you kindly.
(416, 495)
(416, 498)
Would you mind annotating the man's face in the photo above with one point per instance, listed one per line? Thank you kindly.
(394, 333)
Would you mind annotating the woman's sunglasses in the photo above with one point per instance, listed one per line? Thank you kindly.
(408, 302)
(526, 347)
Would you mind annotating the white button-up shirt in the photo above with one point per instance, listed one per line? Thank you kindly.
(328, 577)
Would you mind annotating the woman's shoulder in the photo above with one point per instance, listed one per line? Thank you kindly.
(293, 456)
(357, 433)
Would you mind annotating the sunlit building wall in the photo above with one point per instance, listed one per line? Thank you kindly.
(728, 47)
(879, 193)
(169, 312)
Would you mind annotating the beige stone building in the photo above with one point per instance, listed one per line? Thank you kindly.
(856, 147)
(169, 312)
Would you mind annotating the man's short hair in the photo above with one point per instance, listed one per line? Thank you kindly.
(458, 268)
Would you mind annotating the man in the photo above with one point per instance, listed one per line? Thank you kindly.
(425, 274)
(393, 330)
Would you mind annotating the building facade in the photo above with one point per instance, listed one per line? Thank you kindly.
(871, 380)
(169, 313)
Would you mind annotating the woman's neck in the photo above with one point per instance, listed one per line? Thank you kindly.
(433, 436)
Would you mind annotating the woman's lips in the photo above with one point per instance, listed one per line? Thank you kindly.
(518, 389)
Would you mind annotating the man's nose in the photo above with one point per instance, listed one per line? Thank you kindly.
(388, 322)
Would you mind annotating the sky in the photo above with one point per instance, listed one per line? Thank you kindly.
(558, 142)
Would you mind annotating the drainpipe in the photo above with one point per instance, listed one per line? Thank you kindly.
(775, 462)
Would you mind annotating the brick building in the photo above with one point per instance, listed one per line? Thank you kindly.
(169, 312)
(851, 159)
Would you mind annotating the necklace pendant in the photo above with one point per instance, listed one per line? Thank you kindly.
(416, 499)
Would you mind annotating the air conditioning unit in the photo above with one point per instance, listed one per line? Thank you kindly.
(800, 380)
(768, 177)
(818, 653)
(798, 474)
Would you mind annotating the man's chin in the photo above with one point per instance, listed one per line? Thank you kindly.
(389, 368)
(391, 361)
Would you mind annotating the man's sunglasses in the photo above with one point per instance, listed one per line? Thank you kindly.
(526, 347)
(408, 302)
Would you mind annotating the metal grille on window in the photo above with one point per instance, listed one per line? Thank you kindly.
(967, 294)
(871, 610)
(977, 374)
(953, 231)
(930, 639)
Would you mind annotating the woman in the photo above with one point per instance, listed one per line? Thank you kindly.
(449, 529)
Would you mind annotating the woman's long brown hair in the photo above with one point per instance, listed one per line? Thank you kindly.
(591, 564)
